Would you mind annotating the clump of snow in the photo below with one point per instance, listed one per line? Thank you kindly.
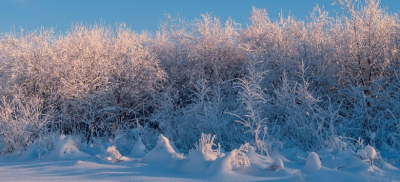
(277, 165)
(313, 163)
(139, 149)
(162, 153)
(115, 156)
(371, 152)
(362, 154)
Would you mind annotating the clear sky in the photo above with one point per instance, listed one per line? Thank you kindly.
(146, 14)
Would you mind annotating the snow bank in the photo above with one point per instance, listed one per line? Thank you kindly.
(313, 163)
(162, 153)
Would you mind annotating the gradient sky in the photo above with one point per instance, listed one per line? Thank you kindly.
(147, 14)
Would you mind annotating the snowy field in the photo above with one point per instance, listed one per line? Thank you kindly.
(67, 163)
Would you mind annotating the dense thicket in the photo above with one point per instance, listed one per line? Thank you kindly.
(275, 83)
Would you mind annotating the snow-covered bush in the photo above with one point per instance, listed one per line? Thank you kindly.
(205, 145)
(286, 81)
(239, 157)
(253, 102)
(115, 156)
(336, 143)
(23, 121)
(201, 157)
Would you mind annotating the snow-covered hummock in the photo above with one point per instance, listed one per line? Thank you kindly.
(313, 163)
(371, 152)
(139, 149)
(342, 145)
(200, 160)
(277, 165)
(65, 148)
(239, 159)
(162, 153)
(224, 165)
(336, 144)
(361, 153)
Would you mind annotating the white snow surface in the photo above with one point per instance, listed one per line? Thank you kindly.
(67, 163)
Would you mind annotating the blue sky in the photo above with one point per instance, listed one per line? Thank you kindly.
(146, 14)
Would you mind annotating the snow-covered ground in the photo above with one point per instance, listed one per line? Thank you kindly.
(67, 163)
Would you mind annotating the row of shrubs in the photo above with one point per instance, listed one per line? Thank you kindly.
(275, 83)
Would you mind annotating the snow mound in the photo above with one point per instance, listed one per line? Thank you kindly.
(139, 149)
(65, 148)
(371, 152)
(162, 153)
(313, 163)
(201, 157)
(253, 156)
(277, 165)
(198, 162)
(342, 145)
(205, 144)
(336, 144)
(115, 156)
(34, 152)
(223, 165)
(239, 159)
(362, 154)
